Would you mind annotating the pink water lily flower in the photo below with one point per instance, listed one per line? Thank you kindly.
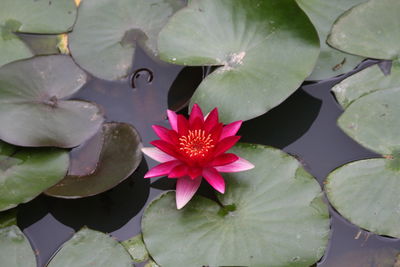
(194, 149)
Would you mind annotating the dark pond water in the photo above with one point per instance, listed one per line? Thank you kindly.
(304, 126)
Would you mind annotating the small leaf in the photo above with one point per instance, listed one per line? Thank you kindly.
(91, 248)
(15, 249)
(136, 247)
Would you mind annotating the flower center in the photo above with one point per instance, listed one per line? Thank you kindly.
(196, 143)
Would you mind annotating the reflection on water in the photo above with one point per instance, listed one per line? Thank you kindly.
(304, 126)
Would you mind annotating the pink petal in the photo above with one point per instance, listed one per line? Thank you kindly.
(224, 159)
(162, 169)
(215, 179)
(179, 171)
(165, 147)
(173, 121)
(185, 190)
(164, 134)
(196, 113)
(194, 172)
(183, 125)
(157, 154)
(237, 166)
(230, 129)
(212, 120)
(225, 144)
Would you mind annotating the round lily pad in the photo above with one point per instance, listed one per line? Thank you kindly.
(366, 192)
(265, 49)
(107, 31)
(91, 248)
(33, 111)
(15, 249)
(369, 29)
(25, 173)
(273, 215)
(323, 13)
(119, 157)
(41, 16)
(372, 115)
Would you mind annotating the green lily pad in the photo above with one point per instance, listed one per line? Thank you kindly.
(366, 192)
(15, 249)
(25, 173)
(274, 215)
(40, 16)
(372, 114)
(91, 248)
(107, 31)
(136, 247)
(323, 14)
(119, 157)
(265, 49)
(32, 106)
(370, 30)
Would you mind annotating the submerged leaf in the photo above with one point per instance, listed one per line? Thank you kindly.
(274, 216)
(119, 157)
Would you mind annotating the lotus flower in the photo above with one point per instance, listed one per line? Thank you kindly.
(194, 149)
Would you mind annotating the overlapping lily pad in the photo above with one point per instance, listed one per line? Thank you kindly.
(25, 173)
(91, 248)
(119, 157)
(265, 50)
(323, 13)
(33, 111)
(371, 30)
(274, 216)
(366, 192)
(15, 249)
(107, 31)
(41, 16)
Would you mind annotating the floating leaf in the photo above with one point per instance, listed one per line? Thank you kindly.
(32, 109)
(323, 14)
(91, 248)
(107, 31)
(265, 48)
(274, 215)
(119, 157)
(15, 249)
(25, 173)
(136, 248)
(151, 263)
(370, 29)
(40, 16)
(366, 192)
